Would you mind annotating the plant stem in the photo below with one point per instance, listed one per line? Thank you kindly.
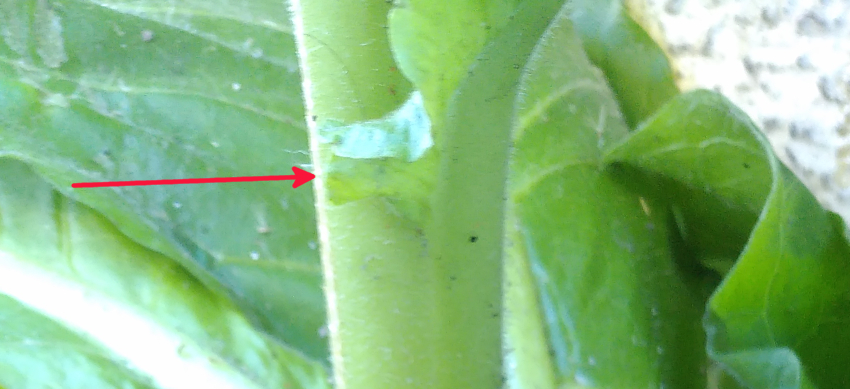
(413, 302)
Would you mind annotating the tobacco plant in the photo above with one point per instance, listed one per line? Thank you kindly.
(509, 193)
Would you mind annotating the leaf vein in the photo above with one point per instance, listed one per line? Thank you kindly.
(536, 112)
(536, 179)
(207, 37)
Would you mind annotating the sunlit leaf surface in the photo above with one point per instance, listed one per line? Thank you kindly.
(779, 319)
(134, 90)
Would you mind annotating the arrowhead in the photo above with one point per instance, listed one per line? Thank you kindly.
(301, 177)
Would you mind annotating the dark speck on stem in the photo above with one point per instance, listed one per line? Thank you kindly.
(473, 239)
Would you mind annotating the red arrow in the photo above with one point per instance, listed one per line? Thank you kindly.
(300, 177)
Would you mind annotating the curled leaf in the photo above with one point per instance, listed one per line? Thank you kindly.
(779, 317)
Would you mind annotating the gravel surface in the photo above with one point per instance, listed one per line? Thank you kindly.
(785, 62)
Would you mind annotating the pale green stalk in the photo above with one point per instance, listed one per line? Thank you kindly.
(414, 298)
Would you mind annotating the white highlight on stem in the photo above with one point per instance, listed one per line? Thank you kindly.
(170, 361)
(321, 198)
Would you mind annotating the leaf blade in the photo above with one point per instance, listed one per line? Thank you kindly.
(596, 249)
(71, 281)
(776, 318)
(165, 92)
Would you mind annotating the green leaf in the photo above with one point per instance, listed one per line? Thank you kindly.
(599, 253)
(717, 183)
(636, 68)
(82, 306)
(154, 91)
(435, 43)
(779, 317)
(39, 353)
